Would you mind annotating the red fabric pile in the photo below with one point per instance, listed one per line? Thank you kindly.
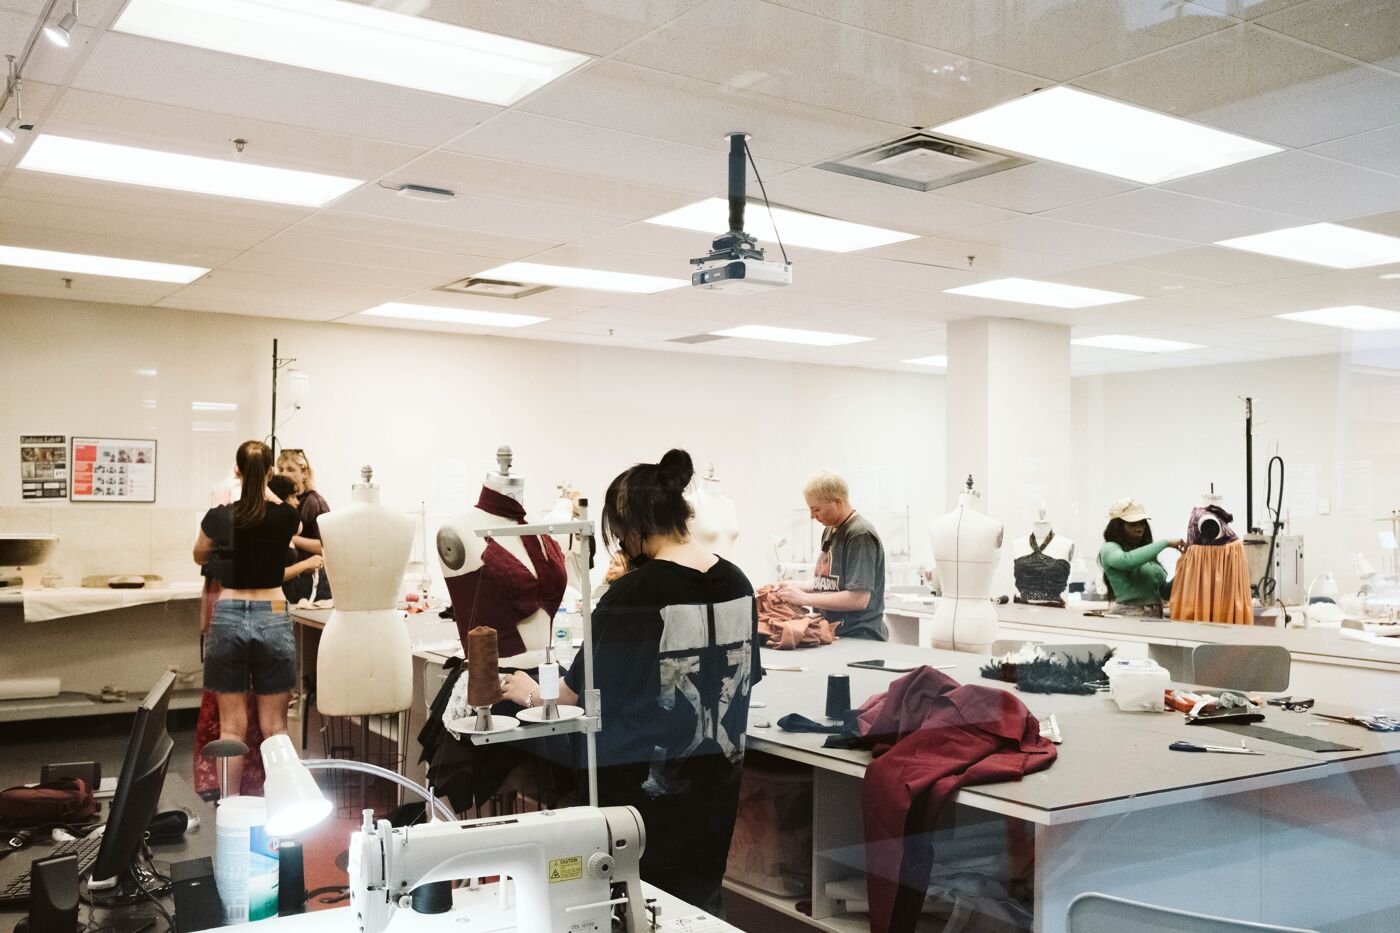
(786, 627)
(929, 736)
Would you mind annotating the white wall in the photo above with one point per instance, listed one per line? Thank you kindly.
(404, 401)
(1164, 436)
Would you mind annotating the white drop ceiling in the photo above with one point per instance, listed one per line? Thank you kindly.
(568, 175)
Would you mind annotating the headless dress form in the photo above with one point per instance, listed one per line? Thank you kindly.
(513, 584)
(965, 547)
(364, 664)
(1042, 567)
(715, 525)
(1212, 577)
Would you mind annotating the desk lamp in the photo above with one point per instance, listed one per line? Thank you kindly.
(294, 801)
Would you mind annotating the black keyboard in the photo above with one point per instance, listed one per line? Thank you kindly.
(17, 891)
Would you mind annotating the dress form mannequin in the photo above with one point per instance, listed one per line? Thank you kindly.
(1041, 563)
(365, 661)
(716, 522)
(463, 553)
(966, 547)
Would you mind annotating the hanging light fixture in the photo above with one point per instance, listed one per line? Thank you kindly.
(61, 33)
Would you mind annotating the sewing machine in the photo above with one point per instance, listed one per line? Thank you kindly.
(566, 865)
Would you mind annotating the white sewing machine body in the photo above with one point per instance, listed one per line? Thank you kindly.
(564, 863)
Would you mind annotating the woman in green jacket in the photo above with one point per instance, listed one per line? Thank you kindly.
(1137, 583)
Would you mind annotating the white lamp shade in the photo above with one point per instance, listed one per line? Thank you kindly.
(294, 801)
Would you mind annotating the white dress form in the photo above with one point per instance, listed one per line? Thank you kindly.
(364, 664)
(966, 547)
(715, 525)
(535, 629)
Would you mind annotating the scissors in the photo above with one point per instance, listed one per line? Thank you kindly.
(1376, 722)
(1227, 749)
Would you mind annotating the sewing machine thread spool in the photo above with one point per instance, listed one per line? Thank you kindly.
(434, 897)
(549, 686)
(838, 695)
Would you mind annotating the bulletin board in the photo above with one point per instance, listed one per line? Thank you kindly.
(110, 469)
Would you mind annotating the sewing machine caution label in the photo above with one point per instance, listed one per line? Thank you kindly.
(565, 869)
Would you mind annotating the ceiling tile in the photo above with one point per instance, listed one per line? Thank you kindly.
(869, 202)
(116, 245)
(24, 185)
(499, 217)
(1364, 29)
(258, 305)
(303, 243)
(1059, 39)
(1129, 280)
(1170, 214)
(1257, 83)
(596, 27)
(1248, 9)
(980, 259)
(42, 283)
(127, 122)
(1222, 265)
(1056, 237)
(199, 80)
(418, 236)
(826, 64)
(1298, 183)
(1336, 287)
(590, 150)
(495, 180)
(1040, 186)
(1378, 149)
(331, 275)
(685, 110)
(157, 227)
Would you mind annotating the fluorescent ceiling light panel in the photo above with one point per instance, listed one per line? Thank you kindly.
(1101, 135)
(1323, 245)
(536, 273)
(1351, 317)
(816, 338)
(213, 406)
(1135, 344)
(82, 158)
(357, 41)
(407, 312)
(145, 372)
(111, 267)
(1049, 294)
(798, 228)
(939, 362)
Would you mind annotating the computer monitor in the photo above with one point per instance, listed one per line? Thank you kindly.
(117, 869)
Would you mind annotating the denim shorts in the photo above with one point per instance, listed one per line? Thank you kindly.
(250, 638)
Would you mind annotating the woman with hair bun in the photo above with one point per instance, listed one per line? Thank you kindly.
(675, 655)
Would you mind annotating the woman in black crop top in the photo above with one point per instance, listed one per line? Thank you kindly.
(250, 637)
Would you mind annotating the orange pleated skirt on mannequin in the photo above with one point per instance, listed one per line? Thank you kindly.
(1212, 585)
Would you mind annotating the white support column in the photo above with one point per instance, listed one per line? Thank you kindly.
(1008, 417)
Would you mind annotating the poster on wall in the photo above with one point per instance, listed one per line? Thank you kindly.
(43, 466)
(107, 469)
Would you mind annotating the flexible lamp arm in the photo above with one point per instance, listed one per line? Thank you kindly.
(345, 764)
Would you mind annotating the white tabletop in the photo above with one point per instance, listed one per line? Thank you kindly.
(43, 605)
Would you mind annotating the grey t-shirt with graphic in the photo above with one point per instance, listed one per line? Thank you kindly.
(853, 558)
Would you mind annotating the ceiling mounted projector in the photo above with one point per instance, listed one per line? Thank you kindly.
(735, 263)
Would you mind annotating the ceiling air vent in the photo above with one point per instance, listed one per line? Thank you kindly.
(493, 288)
(696, 338)
(923, 162)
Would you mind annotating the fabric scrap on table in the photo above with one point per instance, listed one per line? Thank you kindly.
(786, 627)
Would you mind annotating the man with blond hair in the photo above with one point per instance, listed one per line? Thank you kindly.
(848, 585)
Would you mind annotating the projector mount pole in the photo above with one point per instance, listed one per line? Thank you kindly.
(738, 182)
